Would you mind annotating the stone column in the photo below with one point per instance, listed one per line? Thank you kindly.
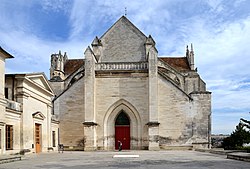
(153, 124)
(26, 125)
(89, 84)
(49, 126)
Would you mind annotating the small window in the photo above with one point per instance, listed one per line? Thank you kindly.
(6, 93)
(53, 138)
(9, 137)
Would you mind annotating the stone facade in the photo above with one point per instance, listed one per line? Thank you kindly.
(27, 120)
(164, 99)
(3, 55)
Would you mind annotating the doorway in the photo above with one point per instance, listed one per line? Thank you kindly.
(38, 137)
(122, 131)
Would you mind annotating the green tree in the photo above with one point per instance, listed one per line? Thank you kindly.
(237, 138)
(246, 123)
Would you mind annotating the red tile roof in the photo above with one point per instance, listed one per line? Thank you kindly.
(72, 65)
(179, 63)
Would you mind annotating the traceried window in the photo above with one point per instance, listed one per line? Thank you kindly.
(9, 137)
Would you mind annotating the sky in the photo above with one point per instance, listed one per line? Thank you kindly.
(32, 30)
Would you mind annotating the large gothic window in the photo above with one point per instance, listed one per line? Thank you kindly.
(122, 119)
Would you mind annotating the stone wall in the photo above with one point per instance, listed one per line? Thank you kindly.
(14, 118)
(193, 82)
(112, 89)
(174, 115)
(58, 87)
(70, 106)
(120, 39)
(201, 110)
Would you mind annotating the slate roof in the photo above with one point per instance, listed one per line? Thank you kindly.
(72, 65)
(179, 63)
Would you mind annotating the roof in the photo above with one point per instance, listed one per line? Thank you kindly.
(179, 63)
(5, 53)
(125, 19)
(39, 79)
(72, 65)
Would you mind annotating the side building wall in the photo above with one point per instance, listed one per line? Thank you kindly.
(201, 110)
(69, 107)
(175, 119)
(30, 105)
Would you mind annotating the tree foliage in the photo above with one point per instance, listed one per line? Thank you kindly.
(238, 137)
(246, 123)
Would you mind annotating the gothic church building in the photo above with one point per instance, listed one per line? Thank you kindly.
(122, 91)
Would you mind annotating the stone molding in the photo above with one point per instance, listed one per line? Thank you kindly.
(153, 124)
(38, 115)
(2, 123)
(89, 124)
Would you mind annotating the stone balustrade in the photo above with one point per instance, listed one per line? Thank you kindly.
(13, 105)
(122, 66)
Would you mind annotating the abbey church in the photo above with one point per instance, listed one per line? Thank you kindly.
(123, 91)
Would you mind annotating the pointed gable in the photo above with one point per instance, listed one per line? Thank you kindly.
(123, 42)
(38, 115)
(40, 80)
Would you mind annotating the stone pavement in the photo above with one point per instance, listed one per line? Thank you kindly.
(146, 159)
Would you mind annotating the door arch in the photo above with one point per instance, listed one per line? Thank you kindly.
(109, 124)
(122, 131)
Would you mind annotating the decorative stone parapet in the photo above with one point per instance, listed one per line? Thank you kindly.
(122, 66)
(13, 105)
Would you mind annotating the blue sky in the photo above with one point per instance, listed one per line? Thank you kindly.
(218, 29)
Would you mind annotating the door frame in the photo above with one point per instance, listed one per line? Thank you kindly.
(135, 125)
(38, 147)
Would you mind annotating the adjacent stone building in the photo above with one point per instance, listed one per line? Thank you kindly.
(26, 123)
(122, 91)
(3, 55)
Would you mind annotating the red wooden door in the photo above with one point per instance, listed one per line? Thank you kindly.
(122, 134)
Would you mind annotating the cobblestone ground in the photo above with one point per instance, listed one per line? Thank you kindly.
(105, 160)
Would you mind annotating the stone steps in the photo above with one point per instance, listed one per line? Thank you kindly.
(8, 159)
(239, 156)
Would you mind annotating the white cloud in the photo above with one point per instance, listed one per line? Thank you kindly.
(219, 32)
(56, 5)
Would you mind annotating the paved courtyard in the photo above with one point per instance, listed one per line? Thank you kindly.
(146, 159)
